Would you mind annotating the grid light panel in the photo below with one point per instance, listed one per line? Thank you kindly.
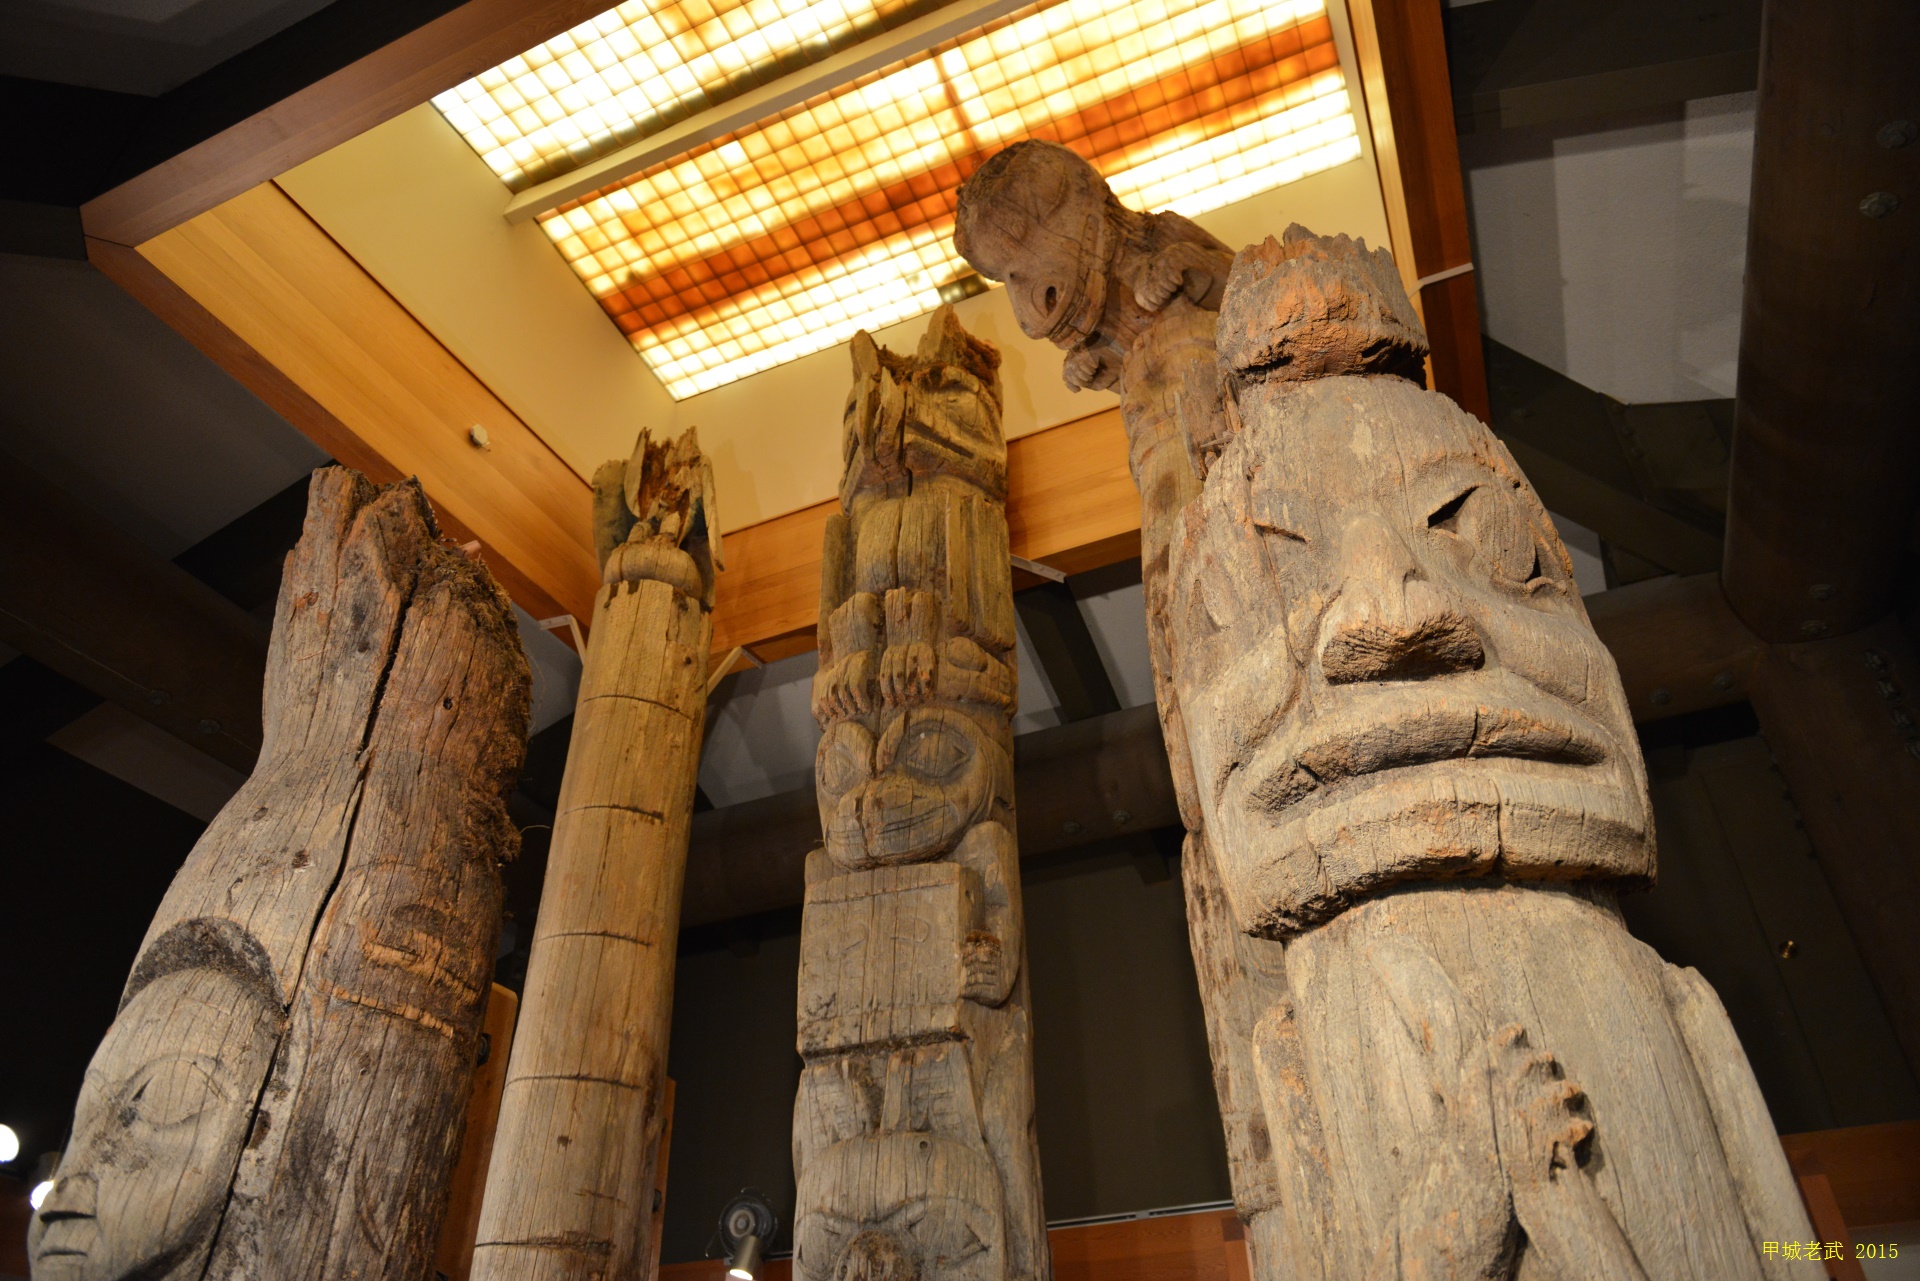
(836, 215)
(638, 68)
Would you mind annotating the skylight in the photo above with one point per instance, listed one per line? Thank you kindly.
(834, 215)
(640, 67)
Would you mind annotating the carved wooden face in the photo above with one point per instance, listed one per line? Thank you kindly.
(1385, 668)
(163, 1112)
(1034, 218)
(901, 1206)
(910, 796)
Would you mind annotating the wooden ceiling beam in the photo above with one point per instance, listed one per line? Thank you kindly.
(368, 91)
(260, 288)
(83, 598)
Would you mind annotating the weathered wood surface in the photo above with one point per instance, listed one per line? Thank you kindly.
(914, 1144)
(283, 1089)
(570, 1192)
(453, 1257)
(1418, 772)
(1133, 298)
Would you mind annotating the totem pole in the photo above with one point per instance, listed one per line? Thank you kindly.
(283, 1089)
(1134, 298)
(913, 1131)
(570, 1188)
(1418, 771)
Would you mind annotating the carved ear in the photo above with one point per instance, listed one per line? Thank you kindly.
(945, 342)
(866, 355)
(637, 469)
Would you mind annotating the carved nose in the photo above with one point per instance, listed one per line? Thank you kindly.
(72, 1197)
(1390, 623)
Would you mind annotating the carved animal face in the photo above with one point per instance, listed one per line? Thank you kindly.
(910, 796)
(1385, 668)
(929, 416)
(163, 1112)
(933, 1215)
(1034, 218)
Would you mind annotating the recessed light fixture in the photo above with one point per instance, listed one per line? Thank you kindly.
(9, 1144)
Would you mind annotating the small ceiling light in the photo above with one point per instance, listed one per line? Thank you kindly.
(9, 1144)
(39, 1194)
(746, 1226)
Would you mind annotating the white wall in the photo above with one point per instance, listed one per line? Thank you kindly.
(1614, 254)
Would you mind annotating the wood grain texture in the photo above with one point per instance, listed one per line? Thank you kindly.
(1416, 768)
(571, 1191)
(453, 1258)
(370, 91)
(1402, 52)
(260, 288)
(914, 1146)
(289, 1072)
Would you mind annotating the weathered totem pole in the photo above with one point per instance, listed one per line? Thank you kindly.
(913, 1131)
(1134, 299)
(1418, 770)
(1400, 864)
(282, 1091)
(570, 1188)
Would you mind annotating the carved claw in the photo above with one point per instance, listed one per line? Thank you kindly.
(847, 689)
(1546, 1132)
(1082, 371)
(1166, 276)
(906, 673)
(983, 964)
(1571, 1233)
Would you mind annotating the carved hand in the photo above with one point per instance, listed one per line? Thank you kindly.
(1182, 267)
(1569, 1227)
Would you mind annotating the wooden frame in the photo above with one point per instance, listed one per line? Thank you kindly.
(1403, 75)
(391, 80)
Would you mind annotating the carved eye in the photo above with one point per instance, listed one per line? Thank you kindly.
(846, 758)
(1447, 515)
(934, 749)
(174, 1091)
(1497, 526)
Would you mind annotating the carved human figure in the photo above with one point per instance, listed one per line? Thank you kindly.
(1418, 772)
(1133, 299)
(283, 1087)
(913, 1132)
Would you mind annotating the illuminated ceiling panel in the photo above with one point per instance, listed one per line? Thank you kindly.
(837, 214)
(636, 69)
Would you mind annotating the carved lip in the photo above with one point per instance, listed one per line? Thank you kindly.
(1364, 730)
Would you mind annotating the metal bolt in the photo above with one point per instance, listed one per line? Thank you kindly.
(158, 697)
(1812, 627)
(209, 727)
(1723, 681)
(1121, 818)
(1661, 697)
(1896, 134)
(1878, 204)
(1821, 591)
(479, 436)
(1788, 949)
(1070, 827)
